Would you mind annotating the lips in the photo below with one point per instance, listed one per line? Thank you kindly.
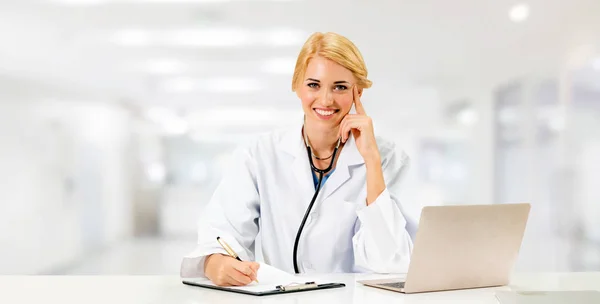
(325, 113)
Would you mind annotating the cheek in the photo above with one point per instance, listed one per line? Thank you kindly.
(307, 98)
(345, 102)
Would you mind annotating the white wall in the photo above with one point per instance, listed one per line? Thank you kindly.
(64, 190)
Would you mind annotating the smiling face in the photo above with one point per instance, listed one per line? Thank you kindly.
(326, 92)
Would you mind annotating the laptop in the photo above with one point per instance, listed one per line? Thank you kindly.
(460, 247)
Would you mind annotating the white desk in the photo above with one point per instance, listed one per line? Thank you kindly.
(169, 289)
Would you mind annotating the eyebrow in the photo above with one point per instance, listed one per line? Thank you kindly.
(337, 82)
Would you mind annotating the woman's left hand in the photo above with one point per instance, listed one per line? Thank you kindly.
(361, 127)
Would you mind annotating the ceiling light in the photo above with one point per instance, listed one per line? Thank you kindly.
(79, 2)
(285, 37)
(179, 85)
(216, 85)
(218, 137)
(241, 117)
(165, 66)
(98, 2)
(280, 65)
(133, 37)
(231, 84)
(173, 1)
(207, 37)
(519, 12)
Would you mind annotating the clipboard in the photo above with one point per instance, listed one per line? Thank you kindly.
(273, 281)
(279, 289)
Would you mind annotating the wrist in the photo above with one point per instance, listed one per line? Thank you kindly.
(373, 160)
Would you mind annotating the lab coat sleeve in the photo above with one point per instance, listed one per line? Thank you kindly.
(232, 213)
(382, 242)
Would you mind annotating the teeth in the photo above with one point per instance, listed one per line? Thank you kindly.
(324, 113)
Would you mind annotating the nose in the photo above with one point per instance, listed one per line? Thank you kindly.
(327, 98)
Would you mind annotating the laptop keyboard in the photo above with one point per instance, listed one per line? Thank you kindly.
(393, 285)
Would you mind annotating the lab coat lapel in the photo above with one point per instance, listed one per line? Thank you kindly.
(302, 171)
(293, 144)
(349, 157)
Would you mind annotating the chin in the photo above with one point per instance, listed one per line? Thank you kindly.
(326, 124)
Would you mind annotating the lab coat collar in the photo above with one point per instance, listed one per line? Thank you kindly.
(293, 144)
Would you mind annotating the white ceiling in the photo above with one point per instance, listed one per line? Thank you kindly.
(408, 44)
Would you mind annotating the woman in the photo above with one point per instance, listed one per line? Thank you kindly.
(356, 222)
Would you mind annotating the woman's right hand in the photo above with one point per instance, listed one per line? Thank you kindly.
(224, 270)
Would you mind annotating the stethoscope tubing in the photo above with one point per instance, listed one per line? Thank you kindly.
(321, 173)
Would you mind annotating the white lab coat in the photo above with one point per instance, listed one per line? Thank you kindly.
(266, 191)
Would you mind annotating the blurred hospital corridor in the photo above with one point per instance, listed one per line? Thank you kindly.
(118, 117)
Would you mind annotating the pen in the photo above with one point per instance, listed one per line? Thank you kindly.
(229, 250)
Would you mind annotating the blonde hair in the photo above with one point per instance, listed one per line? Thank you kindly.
(336, 48)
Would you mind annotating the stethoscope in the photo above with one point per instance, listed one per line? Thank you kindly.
(321, 173)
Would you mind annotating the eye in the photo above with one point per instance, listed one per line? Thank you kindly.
(341, 87)
(313, 85)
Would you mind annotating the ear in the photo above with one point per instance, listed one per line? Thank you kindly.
(360, 91)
